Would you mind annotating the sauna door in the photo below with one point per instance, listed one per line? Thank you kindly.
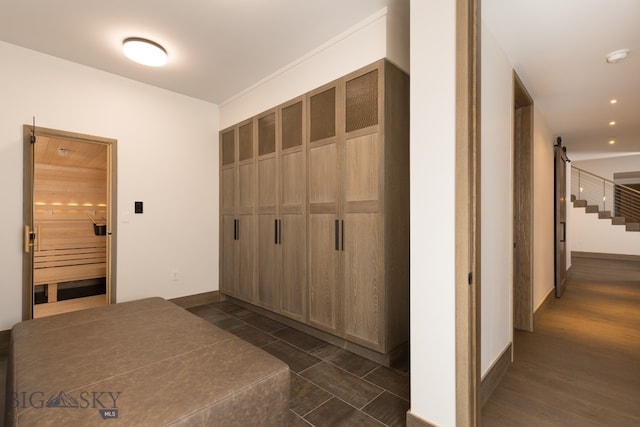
(68, 209)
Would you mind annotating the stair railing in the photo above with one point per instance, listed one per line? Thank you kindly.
(621, 200)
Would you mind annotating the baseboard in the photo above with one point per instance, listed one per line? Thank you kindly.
(494, 375)
(545, 301)
(197, 299)
(5, 337)
(617, 257)
(415, 421)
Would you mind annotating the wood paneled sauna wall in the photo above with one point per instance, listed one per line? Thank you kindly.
(314, 219)
(70, 196)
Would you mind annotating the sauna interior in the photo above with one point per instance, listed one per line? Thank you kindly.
(70, 215)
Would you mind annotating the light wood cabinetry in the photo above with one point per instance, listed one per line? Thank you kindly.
(332, 211)
(237, 206)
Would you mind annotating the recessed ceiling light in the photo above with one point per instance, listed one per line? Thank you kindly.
(612, 123)
(145, 52)
(617, 56)
(612, 141)
(613, 101)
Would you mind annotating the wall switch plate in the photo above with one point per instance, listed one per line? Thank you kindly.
(137, 207)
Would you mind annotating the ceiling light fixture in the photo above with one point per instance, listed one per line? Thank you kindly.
(613, 101)
(612, 141)
(617, 55)
(145, 52)
(612, 123)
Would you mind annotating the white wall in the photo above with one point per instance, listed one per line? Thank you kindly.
(607, 166)
(167, 158)
(543, 209)
(375, 38)
(497, 201)
(432, 166)
(589, 234)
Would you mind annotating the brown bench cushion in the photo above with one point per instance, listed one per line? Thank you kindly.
(169, 366)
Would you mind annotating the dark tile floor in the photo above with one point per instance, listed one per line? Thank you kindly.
(329, 386)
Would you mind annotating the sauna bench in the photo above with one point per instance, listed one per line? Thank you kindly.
(148, 363)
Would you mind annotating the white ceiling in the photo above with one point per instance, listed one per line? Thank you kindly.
(558, 49)
(217, 48)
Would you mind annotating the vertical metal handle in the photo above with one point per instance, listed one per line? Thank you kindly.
(337, 234)
(280, 231)
(275, 231)
(235, 229)
(27, 239)
(342, 224)
(564, 231)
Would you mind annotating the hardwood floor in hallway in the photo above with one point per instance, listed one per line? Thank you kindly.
(581, 365)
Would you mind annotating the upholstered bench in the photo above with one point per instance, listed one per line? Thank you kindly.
(140, 363)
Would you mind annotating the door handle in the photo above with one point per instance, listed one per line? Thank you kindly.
(337, 234)
(235, 229)
(280, 231)
(564, 231)
(342, 226)
(27, 239)
(275, 231)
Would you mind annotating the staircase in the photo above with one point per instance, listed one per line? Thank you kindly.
(615, 202)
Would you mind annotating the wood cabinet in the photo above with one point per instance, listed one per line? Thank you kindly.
(237, 206)
(332, 211)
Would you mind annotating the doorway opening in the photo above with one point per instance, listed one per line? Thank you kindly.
(69, 203)
(522, 207)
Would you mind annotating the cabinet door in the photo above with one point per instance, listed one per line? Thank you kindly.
(246, 227)
(363, 272)
(323, 272)
(228, 247)
(293, 219)
(228, 256)
(323, 196)
(267, 283)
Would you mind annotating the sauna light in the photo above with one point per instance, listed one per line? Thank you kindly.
(145, 52)
(612, 141)
(612, 123)
(613, 101)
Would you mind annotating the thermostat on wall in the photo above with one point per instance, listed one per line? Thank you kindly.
(137, 207)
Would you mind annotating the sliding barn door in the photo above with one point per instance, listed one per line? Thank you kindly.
(560, 226)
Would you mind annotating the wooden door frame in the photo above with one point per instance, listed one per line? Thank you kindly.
(29, 131)
(467, 223)
(522, 206)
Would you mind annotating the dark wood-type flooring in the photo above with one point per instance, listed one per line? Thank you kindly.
(329, 386)
(581, 365)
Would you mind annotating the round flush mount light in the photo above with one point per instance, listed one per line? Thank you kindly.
(617, 56)
(145, 52)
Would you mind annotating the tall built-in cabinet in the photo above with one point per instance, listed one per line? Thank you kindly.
(315, 217)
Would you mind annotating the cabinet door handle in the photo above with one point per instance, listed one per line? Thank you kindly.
(564, 231)
(337, 234)
(342, 225)
(275, 231)
(236, 231)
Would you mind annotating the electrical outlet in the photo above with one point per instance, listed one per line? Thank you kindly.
(175, 275)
